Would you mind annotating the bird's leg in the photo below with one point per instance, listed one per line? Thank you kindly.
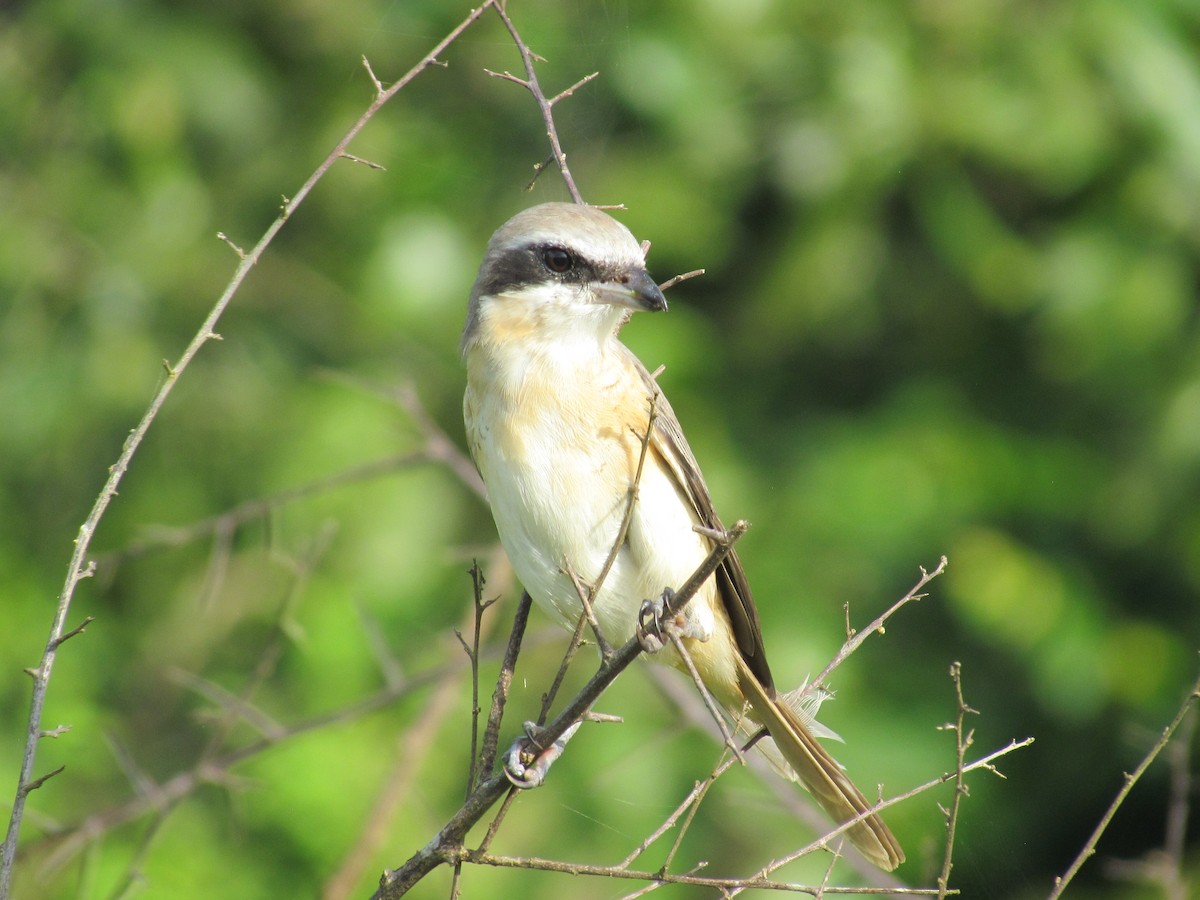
(527, 763)
(656, 623)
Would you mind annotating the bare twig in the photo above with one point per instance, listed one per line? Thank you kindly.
(854, 640)
(586, 595)
(447, 845)
(77, 568)
(690, 802)
(491, 734)
(478, 605)
(826, 842)
(727, 886)
(1131, 778)
(709, 702)
(560, 676)
(676, 279)
(530, 83)
(963, 740)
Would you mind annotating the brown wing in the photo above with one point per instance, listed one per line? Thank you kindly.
(672, 447)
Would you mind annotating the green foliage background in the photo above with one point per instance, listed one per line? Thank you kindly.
(952, 254)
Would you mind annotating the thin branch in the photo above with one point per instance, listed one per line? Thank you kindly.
(963, 740)
(530, 83)
(491, 733)
(76, 568)
(709, 702)
(586, 595)
(725, 885)
(854, 640)
(478, 606)
(447, 845)
(824, 843)
(216, 769)
(696, 798)
(560, 676)
(699, 789)
(562, 95)
(671, 282)
(364, 162)
(1089, 848)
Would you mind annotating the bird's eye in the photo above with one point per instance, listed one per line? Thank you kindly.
(558, 260)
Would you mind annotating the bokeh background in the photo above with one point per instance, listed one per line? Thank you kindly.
(951, 307)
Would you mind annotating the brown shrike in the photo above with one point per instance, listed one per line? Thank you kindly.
(557, 409)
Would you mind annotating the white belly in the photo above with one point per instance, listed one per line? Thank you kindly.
(559, 465)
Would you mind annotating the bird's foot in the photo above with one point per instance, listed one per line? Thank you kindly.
(656, 624)
(527, 762)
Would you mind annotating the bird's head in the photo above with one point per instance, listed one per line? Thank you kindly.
(559, 272)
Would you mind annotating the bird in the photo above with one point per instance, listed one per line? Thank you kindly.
(557, 411)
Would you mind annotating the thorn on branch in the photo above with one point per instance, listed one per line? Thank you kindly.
(88, 620)
(55, 733)
(38, 782)
(573, 88)
(671, 282)
(530, 83)
(591, 716)
(538, 169)
(941, 567)
(222, 236)
(509, 76)
(374, 80)
(362, 162)
(466, 647)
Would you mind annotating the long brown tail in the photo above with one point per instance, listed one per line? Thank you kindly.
(821, 774)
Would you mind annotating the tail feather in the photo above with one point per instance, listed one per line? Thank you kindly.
(821, 775)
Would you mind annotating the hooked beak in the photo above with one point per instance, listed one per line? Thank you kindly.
(637, 291)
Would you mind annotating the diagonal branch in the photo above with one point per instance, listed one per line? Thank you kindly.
(447, 845)
(1131, 778)
(78, 568)
(854, 639)
(546, 105)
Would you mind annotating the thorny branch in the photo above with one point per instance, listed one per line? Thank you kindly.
(729, 887)
(546, 105)
(826, 842)
(1131, 779)
(446, 846)
(77, 567)
(855, 639)
(963, 739)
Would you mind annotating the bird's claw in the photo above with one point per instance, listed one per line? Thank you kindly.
(654, 627)
(526, 764)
